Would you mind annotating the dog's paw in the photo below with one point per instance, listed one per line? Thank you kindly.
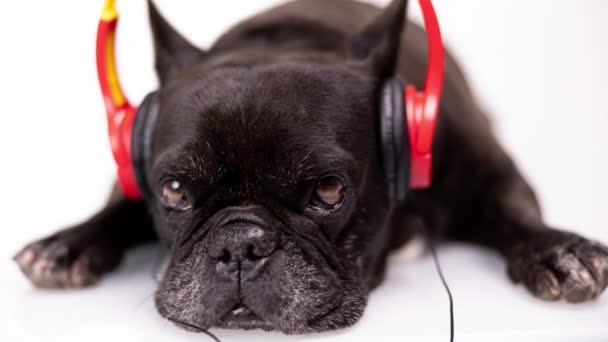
(62, 261)
(574, 269)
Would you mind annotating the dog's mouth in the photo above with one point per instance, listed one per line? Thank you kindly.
(242, 317)
(241, 311)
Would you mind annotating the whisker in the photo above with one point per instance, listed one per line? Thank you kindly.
(156, 270)
(143, 301)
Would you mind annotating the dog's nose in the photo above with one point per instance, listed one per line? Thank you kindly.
(242, 249)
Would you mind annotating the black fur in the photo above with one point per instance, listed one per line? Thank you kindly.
(250, 125)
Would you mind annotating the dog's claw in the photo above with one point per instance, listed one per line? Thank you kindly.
(25, 257)
(547, 286)
(576, 271)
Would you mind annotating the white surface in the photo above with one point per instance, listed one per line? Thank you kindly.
(538, 66)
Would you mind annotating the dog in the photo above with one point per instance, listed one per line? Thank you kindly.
(267, 181)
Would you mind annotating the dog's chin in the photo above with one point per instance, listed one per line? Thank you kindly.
(237, 318)
(241, 317)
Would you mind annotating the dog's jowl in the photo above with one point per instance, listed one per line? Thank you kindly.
(265, 178)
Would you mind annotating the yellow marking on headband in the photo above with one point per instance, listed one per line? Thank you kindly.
(118, 97)
(109, 12)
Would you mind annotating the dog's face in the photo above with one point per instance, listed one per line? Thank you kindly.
(268, 184)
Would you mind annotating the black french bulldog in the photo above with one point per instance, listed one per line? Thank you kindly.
(268, 183)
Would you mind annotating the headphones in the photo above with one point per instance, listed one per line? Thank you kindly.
(407, 116)
(130, 128)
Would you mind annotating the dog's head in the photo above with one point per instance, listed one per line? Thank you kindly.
(266, 178)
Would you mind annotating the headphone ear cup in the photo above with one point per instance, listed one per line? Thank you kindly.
(141, 140)
(394, 139)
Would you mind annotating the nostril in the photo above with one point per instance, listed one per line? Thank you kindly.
(225, 257)
(250, 254)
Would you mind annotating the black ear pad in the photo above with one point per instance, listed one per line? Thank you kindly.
(394, 139)
(141, 141)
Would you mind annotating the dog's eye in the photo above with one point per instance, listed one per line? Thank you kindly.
(329, 193)
(174, 195)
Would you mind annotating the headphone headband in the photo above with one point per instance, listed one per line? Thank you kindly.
(120, 112)
(422, 107)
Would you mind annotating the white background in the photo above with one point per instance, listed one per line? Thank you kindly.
(540, 68)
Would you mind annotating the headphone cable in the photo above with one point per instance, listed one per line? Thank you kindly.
(197, 328)
(445, 285)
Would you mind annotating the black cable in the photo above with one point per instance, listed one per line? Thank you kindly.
(199, 329)
(445, 285)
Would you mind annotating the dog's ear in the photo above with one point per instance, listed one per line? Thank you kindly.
(378, 43)
(172, 51)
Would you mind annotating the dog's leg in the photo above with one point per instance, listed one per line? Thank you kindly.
(553, 264)
(487, 201)
(78, 256)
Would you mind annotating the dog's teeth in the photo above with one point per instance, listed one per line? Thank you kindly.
(238, 310)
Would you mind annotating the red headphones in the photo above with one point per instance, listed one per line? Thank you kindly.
(120, 113)
(407, 117)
